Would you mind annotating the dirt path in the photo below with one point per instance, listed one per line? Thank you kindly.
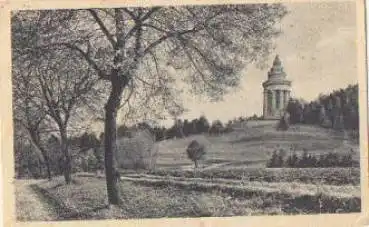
(29, 204)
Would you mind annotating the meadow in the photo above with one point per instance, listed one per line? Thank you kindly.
(231, 180)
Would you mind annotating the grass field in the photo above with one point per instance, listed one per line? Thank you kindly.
(252, 146)
(232, 180)
(147, 197)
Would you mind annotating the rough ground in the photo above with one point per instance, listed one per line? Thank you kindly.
(30, 205)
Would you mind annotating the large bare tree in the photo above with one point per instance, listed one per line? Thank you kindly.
(206, 47)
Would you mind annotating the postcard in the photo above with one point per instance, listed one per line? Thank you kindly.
(184, 113)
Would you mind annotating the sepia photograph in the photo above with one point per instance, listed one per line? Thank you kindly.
(186, 111)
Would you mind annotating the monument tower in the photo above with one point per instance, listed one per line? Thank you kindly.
(277, 91)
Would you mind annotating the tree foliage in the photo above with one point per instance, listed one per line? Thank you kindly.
(338, 110)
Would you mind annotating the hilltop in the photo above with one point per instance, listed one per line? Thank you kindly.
(251, 145)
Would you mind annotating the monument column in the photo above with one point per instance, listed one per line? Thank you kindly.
(281, 99)
(265, 106)
(273, 101)
(285, 98)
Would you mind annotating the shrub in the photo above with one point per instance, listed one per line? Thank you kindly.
(347, 161)
(284, 122)
(277, 159)
(307, 160)
(138, 152)
(195, 151)
(292, 160)
(281, 158)
(273, 162)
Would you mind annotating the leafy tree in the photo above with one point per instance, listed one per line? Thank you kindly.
(195, 127)
(293, 160)
(203, 124)
(295, 110)
(322, 115)
(186, 127)
(131, 47)
(273, 162)
(281, 158)
(195, 152)
(284, 122)
(216, 127)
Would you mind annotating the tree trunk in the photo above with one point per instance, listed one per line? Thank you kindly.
(47, 163)
(67, 158)
(111, 109)
(40, 168)
(36, 141)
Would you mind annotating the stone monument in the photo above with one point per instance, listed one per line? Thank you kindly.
(277, 91)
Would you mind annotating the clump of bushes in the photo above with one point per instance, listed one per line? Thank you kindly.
(306, 160)
(137, 152)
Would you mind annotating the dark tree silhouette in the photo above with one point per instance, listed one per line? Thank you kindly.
(338, 110)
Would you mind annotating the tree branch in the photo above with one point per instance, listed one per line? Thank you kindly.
(130, 13)
(101, 73)
(167, 36)
(103, 27)
(148, 14)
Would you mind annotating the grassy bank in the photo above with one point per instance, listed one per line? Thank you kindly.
(331, 176)
(155, 198)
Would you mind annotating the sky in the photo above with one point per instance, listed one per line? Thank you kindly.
(318, 52)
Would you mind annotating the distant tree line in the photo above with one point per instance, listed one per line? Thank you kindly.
(279, 159)
(179, 129)
(338, 110)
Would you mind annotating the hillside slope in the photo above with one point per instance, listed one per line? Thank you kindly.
(252, 144)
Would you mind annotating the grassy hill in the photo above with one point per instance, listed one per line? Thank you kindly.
(252, 144)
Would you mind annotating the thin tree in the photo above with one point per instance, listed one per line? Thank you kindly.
(208, 45)
(28, 112)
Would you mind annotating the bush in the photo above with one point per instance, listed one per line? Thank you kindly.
(284, 122)
(277, 160)
(195, 151)
(292, 160)
(138, 152)
(310, 161)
